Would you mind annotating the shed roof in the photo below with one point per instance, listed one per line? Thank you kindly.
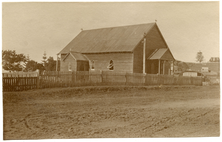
(76, 56)
(114, 39)
(157, 54)
(162, 53)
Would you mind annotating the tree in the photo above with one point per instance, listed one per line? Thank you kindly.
(50, 64)
(12, 61)
(199, 57)
(182, 66)
(33, 66)
(44, 59)
(40, 67)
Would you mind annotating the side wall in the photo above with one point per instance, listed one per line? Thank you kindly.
(123, 62)
(138, 59)
(69, 60)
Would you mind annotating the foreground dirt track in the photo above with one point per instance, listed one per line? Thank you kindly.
(111, 112)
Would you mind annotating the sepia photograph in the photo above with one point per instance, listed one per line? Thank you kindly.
(86, 70)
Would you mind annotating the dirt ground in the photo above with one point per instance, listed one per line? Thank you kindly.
(109, 112)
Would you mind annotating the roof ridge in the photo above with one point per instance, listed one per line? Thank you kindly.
(119, 26)
(75, 52)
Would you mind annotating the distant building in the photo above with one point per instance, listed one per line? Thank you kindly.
(191, 73)
(118, 49)
(204, 67)
(214, 59)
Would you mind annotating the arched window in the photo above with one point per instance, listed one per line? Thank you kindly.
(93, 65)
(69, 67)
(111, 65)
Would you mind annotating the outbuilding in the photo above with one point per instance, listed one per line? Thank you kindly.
(74, 61)
(192, 73)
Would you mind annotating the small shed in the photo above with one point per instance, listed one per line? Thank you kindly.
(75, 61)
(192, 73)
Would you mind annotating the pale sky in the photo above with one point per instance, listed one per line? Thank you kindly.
(187, 27)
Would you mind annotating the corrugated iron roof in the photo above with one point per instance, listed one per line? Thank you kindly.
(157, 54)
(115, 39)
(79, 56)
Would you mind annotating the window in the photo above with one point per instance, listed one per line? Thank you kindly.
(69, 67)
(111, 66)
(93, 65)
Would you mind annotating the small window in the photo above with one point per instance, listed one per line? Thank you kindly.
(93, 65)
(69, 67)
(111, 66)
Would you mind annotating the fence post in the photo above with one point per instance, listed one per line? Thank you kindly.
(191, 80)
(126, 78)
(101, 72)
(89, 78)
(38, 80)
(144, 78)
(73, 77)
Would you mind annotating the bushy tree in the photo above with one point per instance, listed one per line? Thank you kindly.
(50, 64)
(12, 61)
(32, 65)
(182, 66)
(199, 57)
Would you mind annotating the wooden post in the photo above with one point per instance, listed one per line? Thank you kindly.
(144, 53)
(159, 67)
(57, 63)
(38, 80)
(163, 67)
(126, 78)
(101, 72)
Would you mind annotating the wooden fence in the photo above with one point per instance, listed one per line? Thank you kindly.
(19, 83)
(83, 78)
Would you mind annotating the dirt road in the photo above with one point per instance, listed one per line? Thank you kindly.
(112, 113)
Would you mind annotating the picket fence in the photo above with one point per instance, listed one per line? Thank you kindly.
(86, 78)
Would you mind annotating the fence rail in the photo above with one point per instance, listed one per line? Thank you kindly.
(70, 79)
(20, 74)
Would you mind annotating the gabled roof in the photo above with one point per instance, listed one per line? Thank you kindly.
(114, 39)
(76, 55)
(162, 53)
